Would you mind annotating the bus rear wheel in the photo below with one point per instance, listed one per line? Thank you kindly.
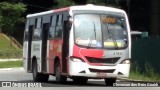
(38, 77)
(110, 81)
(80, 80)
(58, 75)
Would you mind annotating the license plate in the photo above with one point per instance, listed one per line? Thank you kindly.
(101, 74)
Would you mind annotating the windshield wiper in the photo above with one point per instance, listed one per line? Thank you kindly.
(90, 40)
(94, 30)
(112, 37)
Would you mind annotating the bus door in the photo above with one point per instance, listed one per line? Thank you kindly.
(30, 33)
(45, 30)
(65, 46)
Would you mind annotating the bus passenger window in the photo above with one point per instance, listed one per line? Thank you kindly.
(37, 33)
(59, 20)
(39, 22)
(26, 30)
(51, 32)
(58, 31)
(26, 36)
(53, 21)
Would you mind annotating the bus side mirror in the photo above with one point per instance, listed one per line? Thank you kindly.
(142, 34)
(136, 33)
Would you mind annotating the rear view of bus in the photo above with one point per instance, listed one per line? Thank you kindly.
(100, 45)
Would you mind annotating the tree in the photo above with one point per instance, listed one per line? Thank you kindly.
(80, 2)
(10, 15)
(113, 3)
(64, 3)
(0, 23)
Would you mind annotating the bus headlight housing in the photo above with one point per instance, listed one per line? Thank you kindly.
(127, 61)
(74, 59)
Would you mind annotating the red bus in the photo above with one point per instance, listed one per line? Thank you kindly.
(78, 42)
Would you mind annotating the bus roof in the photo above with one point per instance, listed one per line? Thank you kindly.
(48, 12)
(95, 7)
(81, 7)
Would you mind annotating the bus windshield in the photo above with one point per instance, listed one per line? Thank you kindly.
(100, 31)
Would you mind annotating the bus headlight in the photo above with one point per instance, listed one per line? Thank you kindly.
(76, 59)
(125, 62)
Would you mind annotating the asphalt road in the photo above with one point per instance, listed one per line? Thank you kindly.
(18, 74)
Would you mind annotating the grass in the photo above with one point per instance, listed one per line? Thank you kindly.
(10, 53)
(138, 76)
(5, 43)
(149, 74)
(11, 64)
(8, 49)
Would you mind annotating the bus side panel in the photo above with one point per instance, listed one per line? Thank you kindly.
(49, 60)
(36, 51)
(51, 57)
(59, 45)
(55, 50)
(25, 53)
(25, 45)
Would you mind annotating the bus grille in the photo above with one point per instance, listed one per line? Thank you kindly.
(103, 60)
(101, 71)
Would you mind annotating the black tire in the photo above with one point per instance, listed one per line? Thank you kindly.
(38, 77)
(110, 81)
(80, 80)
(59, 77)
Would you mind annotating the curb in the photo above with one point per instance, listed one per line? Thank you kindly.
(10, 69)
(6, 69)
(5, 60)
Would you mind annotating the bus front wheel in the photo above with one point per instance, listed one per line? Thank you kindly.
(110, 81)
(80, 80)
(58, 75)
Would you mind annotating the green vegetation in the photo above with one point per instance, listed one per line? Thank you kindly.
(10, 15)
(10, 53)
(64, 3)
(8, 49)
(149, 74)
(11, 64)
(5, 43)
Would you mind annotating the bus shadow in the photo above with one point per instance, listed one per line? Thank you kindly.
(53, 83)
(71, 83)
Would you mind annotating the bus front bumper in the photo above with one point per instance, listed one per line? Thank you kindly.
(82, 69)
